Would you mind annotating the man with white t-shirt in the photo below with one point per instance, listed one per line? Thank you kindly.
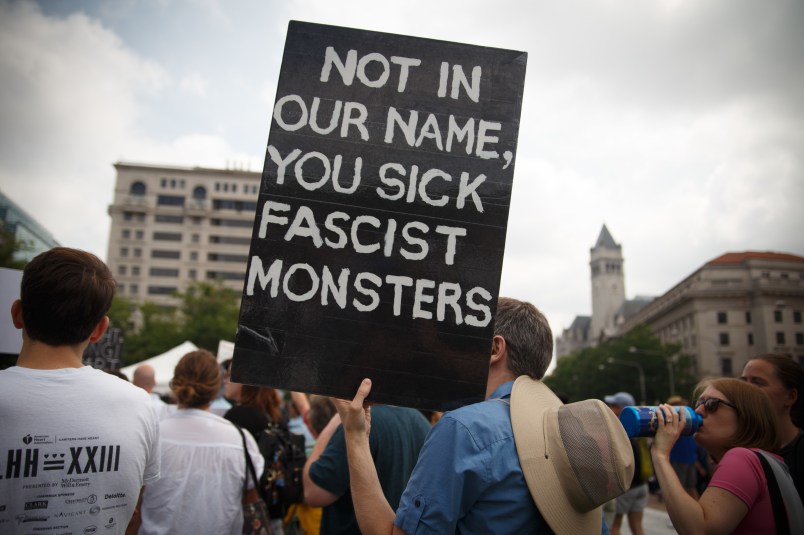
(77, 444)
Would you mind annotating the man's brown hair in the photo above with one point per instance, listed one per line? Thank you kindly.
(527, 335)
(65, 293)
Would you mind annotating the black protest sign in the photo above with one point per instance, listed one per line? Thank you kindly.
(106, 353)
(380, 228)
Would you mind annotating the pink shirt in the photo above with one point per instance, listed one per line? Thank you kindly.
(740, 472)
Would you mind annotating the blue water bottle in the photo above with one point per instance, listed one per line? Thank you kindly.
(641, 421)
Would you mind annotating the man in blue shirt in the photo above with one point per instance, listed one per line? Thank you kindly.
(468, 478)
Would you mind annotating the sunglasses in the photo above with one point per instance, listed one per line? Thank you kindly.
(711, 404)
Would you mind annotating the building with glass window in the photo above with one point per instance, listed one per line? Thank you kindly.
(735, 306)
(174, 225)
(26, 230)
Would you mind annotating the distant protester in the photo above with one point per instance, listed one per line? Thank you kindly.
(254, 409)
(203, 462)
(782, 379)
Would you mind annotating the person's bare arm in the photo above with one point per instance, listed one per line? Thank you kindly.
(314, 495)
(374, 513)
(301, 402)
(717, 512)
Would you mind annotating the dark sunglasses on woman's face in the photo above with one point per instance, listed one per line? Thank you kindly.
(711, 404)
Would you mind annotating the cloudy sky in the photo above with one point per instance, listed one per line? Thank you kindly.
(677, 123)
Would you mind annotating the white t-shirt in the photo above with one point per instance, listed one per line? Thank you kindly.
(76, 447)
(203, 471)
(162, 408)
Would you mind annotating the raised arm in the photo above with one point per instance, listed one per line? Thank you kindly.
(374, 514)
(314, 495)
(717, 512)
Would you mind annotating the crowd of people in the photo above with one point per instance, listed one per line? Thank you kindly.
(83, 451)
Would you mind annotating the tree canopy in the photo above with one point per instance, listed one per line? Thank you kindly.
(614, 366)
(207, 313)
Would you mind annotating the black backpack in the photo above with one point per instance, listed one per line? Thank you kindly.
(285, 456)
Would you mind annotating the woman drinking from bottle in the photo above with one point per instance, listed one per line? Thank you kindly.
(737, 421)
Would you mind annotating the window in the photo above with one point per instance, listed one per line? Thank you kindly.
(196, 220)
(199, 192)
(192, 274)
(134, 289)
(167, 218)
(726, 368)
(724, 339)
(124, 251)
(135, 270)
(126, 234)
(777, 316)
(181, 183)
(160, 253)
(780, 339)
(722, 318)
(800, 339)
(163, 272)
(196, 238)
(796, 316)
(233, 240)
(226, 204)
(121, 270)
(241, 223)
(219, 257)
(194, 255)
(121, 288)
(137, 252)
(138, 234)
(748, 317)
(137, 188)
(128, 216)
(170, 200)
(167, 236)
(161, 290)
(163, 182)
(750, 339)
(225, 275)
(173, 183)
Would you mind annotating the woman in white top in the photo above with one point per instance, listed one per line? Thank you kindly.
(203, 463)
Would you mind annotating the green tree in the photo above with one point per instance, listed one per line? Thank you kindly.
(120, 313)
(207, 313)
(160, 330)
(615, 365)
(210, 312)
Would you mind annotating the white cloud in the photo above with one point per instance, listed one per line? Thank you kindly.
(194, 84)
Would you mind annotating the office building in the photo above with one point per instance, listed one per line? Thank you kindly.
(735, 306)
(26, 230)
(175, 225)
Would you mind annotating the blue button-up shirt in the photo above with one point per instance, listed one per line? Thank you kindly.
(468, 478)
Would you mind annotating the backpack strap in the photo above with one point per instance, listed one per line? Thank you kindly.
(250, 465)
(787, 508)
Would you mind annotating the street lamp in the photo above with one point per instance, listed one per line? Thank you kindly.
(612, 360)
(669, 362)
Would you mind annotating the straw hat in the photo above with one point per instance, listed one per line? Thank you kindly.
(574, 457)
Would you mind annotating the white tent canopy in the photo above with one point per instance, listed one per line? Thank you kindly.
(163, 365)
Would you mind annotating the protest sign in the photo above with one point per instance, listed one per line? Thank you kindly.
(380, 227)
(106, 353)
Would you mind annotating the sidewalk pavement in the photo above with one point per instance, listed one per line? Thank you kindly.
(655, 521)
